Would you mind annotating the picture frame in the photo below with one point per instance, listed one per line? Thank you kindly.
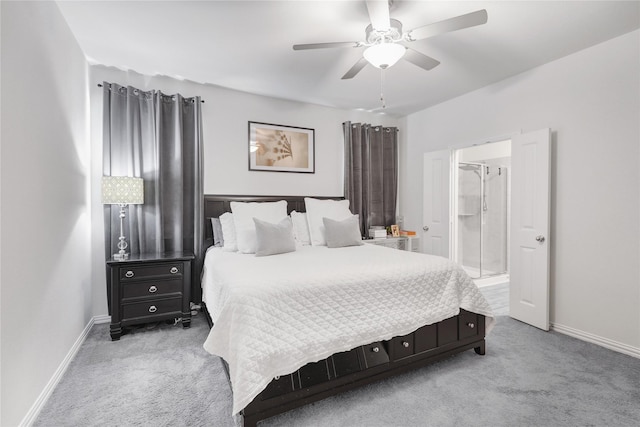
(395, 230)
(281, 148)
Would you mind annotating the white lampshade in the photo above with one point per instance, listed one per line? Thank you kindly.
(384, 55)
(122, 190)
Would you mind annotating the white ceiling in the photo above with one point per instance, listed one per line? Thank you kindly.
(247, 45)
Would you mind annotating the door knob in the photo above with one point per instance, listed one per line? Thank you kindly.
(540, 238)
(425, 228)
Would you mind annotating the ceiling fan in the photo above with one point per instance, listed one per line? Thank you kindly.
(384, 35)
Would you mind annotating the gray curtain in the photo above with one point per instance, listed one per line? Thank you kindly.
(158, 138)
(371, 173)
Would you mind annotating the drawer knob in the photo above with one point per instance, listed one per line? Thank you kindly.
(174, 270)
(405, 344)
(152, 289)
(471, 325)
(375, 349)
(153, 309)
(129, 273)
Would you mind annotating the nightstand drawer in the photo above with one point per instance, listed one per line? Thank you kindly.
(152, 308)
(170, 269)
(151, 288)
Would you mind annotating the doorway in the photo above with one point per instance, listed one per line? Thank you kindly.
(481, 198)
(528, 163)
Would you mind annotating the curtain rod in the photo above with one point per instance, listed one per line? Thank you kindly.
(202, 100)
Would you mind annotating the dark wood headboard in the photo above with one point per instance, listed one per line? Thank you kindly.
(216, 205)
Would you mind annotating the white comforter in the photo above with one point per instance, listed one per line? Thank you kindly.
(274, 314)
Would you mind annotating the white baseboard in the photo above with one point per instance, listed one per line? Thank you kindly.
(35, 409)
(595, 339)
(104, 318)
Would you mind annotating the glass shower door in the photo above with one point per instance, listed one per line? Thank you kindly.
(469, 245)
(494, 222)
(482, 219)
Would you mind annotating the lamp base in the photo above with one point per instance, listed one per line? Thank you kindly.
(121, 257)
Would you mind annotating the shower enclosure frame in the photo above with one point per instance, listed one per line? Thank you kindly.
(482, 218)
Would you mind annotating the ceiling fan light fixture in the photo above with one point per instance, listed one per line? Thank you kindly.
(384, 55)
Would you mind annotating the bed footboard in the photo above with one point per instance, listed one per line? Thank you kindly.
(366, 364)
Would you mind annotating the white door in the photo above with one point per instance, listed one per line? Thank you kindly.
(436, 209)
(529, 275)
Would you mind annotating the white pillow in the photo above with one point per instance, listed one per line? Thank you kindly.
(273, 239)
(343, 233)
(319, 209)
(228, 232)
(243, 215)
(218, 239)
(300, 228)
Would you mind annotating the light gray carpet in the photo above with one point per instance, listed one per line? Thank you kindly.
(162, 377)
(151, 377)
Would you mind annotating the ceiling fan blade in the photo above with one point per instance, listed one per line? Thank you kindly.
(420, 59)
(379, 14)
(324, 45)
(358, 66)
(472, 19)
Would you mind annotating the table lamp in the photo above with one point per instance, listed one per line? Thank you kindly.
(123, 191)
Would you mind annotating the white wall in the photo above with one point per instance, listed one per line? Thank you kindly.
(591, 101)
(481, 153)
(46, 293)
(0, 231)
(225, 116)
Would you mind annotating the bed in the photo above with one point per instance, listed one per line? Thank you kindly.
(297, 327)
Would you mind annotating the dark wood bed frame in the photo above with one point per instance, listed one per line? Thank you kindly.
(361, 365)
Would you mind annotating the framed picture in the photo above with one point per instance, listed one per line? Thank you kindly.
(278, 148)
(395, 230)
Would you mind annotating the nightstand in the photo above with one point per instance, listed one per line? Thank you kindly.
(149, 288)
(403, 243)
